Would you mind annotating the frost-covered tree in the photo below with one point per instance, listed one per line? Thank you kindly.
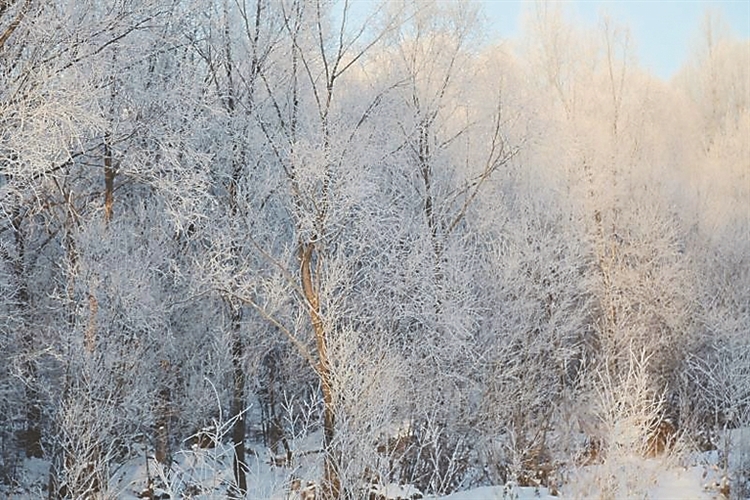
(640, 279)
(298, 184)
(460, 260)
(715, 84)
(75, 151)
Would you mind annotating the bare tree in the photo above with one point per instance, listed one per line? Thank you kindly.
(295, 106)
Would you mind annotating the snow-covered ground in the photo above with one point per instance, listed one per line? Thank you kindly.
(207, 474)
(642, 479)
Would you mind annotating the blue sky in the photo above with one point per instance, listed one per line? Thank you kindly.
(663, 31)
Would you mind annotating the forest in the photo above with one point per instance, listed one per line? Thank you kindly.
(326, 247)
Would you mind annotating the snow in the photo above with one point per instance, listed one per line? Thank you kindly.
(396, 491)
(632, 478)
(204, 474)
(635, 477)
(33, 477)
(207, 474)
(483, 493)
(684, 484)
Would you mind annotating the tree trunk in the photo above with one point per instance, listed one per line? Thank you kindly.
(162, 451)
(164, 413)
(238, 406)
(31, 436)
(433, 223)
(331, 488)
(109, 179)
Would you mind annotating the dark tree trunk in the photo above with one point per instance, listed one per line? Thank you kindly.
(31, 436)
(238, 407)
(109, 179)
(162, 451)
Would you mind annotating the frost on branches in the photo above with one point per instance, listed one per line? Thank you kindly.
(300, 249)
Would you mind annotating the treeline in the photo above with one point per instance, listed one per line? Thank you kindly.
(535, 253)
